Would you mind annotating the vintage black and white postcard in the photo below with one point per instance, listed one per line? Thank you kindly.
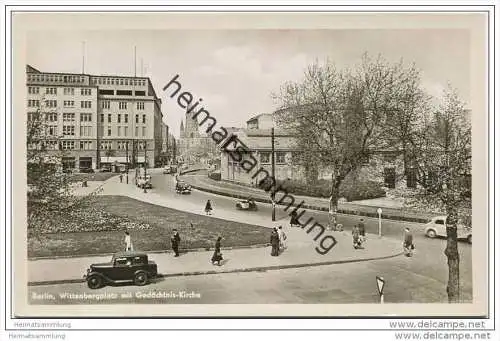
(250, 164)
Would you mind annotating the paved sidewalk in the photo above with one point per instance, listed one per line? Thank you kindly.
(299, 254)
(301, 249)
(363, 207)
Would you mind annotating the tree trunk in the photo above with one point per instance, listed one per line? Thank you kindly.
(451, 252)
(334, 199)
(311, 172)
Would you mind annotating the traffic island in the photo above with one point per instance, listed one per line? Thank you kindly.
(99, 229)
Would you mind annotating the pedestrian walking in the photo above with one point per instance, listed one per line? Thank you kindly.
(217, 256)
(356, 240)
(175, 240)
(128, 242)
(121, 178)
(282, 238)
(293, 219)
(408, 245)
(275, 243)
(362, 232)
(208, 208)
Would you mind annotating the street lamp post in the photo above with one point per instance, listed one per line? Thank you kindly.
(379, 211)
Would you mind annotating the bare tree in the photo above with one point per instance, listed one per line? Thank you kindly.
(442, 153)
(49, 188)
(337, 115)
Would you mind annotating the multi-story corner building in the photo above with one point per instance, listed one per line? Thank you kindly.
(98, 120)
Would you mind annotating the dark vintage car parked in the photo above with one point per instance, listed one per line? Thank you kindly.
(123, 267)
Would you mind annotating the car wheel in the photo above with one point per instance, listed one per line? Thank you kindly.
(94, 282)
(141, 278)
(431, 234)
(469, 239)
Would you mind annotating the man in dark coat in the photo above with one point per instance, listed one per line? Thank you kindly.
(361, 226)
(217, 256)
(175, 240)
(293, 219)
(208, 208)
(275, 243)
(408, 243)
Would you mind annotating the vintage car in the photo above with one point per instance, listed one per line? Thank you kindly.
(105, 169)
(169, 169)
(143, 181)
(123, 267)
(437, 227)
(246, 205)
(182, 187)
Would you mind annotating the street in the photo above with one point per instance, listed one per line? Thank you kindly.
(420, 279)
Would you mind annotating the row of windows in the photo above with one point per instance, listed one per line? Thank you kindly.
(87, 145)
(67, 117)
(56, 78)
(111, 92)
(69, 130)
(70, 145)
(35, 103)
(119, 118)
(265, 157)
(83, 104)
(123, 131)
(86, 130)
(121, 145)
(119, 81)
(34, 90)
(121, 105)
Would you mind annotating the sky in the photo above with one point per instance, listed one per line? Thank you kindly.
(236, 71)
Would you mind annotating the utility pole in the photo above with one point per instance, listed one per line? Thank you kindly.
(272, 174)
(166, 147)
(145, 165)
(174, 152)
(98, 147)
(126, 150)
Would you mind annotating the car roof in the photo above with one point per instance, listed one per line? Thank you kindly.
(440, 217)
(130, 254)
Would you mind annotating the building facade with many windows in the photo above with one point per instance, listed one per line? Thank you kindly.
(97, 120)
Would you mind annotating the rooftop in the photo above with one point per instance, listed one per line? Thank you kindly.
(257, 116)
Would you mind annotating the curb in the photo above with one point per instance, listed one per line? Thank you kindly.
(192, 171)
(214, 272)
(200, 249)
(318, 208)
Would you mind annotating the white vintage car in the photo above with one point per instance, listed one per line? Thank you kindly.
(143, 181)
(437, 227)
